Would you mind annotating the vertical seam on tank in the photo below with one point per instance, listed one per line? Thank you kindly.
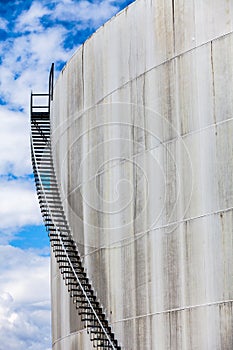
(213, 80)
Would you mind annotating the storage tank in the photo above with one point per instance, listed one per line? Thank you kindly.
(142, 124)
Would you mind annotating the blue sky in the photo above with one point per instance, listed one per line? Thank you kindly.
(33, 34)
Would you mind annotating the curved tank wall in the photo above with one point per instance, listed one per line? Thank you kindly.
(142, 140)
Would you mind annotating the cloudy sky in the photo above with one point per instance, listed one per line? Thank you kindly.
(33, 34)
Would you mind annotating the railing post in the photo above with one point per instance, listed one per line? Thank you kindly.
(51, 78)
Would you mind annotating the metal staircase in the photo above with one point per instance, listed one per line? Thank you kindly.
(62, 243)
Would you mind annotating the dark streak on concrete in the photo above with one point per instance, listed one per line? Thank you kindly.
(174, 28)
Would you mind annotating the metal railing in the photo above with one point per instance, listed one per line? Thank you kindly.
(62, 242)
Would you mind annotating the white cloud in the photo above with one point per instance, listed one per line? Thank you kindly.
(26, 62)
(14, 142)
(24, 275)
(18, 206)
(30, 20)
(85, 13)
(3, 24)
(48, 46)
(24, 300)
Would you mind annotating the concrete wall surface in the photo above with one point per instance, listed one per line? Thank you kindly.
(142, 125)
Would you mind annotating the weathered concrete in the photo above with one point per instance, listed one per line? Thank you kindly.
(142, 139)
